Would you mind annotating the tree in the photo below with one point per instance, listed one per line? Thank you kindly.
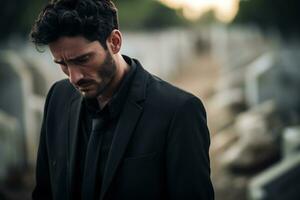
(147, 14)
(275, 14)
(17, 16)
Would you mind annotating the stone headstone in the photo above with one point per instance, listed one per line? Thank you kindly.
(16, 87)
(9, 143)
(256, 147)
(291, 141)
(280, 182)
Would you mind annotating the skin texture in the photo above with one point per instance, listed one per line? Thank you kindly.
(94, 71)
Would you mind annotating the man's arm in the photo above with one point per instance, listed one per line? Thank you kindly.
(187, 155)
(42, 188)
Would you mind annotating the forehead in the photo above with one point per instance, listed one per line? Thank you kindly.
(73, 46)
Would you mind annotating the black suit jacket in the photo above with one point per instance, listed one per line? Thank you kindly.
(159, 151)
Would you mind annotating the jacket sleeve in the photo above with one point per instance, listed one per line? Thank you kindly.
(42, 190)
(187, 154)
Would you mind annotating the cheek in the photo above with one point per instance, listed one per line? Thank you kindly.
(99, 69)
(107, 69)
(93, 70)
(90, 72)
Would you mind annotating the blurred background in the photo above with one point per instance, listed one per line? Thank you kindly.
(241, 57)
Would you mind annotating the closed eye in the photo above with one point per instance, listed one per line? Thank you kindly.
(81, 60)
(60, 62)
(77, 61)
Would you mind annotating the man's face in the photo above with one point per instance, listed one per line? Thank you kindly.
(88, 65)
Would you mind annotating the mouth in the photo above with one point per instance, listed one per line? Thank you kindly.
(84, 87)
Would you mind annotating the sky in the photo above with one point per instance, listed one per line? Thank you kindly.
(225, 10)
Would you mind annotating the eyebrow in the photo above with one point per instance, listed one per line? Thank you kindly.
(73, 59)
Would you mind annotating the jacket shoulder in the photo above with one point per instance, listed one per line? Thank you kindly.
(167, 96)
(60, 93)
(167, 91)
(62, 88)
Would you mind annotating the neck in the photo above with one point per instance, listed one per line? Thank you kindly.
(121, 69)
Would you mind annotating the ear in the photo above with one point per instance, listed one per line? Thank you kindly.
(114, 41)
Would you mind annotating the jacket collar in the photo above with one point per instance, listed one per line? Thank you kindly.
(126, 124)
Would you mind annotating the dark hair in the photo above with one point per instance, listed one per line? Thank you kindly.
(92, 19)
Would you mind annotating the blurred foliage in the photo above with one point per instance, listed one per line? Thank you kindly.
(17, 16)
(10, 15)
(271, 14)
(147, 14)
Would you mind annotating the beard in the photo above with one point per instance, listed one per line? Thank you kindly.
(106, 73)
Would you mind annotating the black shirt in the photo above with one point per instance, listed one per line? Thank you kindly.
(110, 114)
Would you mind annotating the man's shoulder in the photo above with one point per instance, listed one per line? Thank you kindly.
(63, 84)
(62, 88)
(167, 98)
(166, 93)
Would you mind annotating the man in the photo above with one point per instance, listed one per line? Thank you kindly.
(113, 131)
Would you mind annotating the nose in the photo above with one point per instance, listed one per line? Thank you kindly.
(75, 75)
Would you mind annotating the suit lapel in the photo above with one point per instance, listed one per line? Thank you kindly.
(74, 115)
(127, 122)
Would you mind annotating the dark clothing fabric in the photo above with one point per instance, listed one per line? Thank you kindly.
(159, 149)
(92, 177)
(109, 117)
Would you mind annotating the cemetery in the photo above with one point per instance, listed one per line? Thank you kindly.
(253, 107)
